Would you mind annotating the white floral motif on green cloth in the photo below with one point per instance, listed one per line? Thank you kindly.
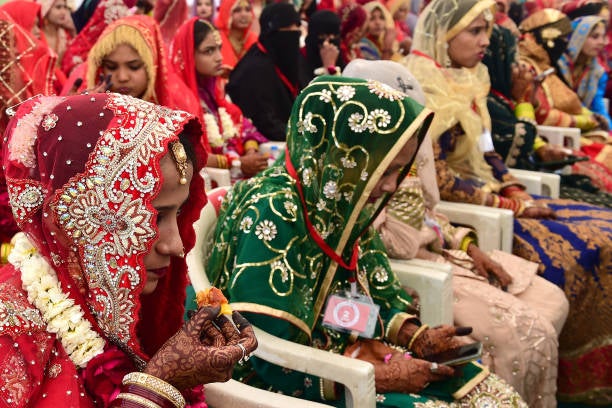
(266, 230)
(345, 93)
(246, 224)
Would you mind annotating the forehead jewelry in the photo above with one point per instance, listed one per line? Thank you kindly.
(180, 158)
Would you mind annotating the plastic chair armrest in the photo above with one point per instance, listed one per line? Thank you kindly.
(433, 282)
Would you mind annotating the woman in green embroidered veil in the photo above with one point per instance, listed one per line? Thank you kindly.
(297, 237)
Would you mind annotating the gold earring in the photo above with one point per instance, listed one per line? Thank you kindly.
(180, 158)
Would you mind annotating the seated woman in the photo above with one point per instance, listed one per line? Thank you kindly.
(204, 9)
(106, 194)
(521, 343)
(541, 45)
(130, 58)
(297, 237)
(57, 26)
(400, 9)
(105, 13)
(196, 57)
(571, 241)
(379, 41)
(29, 16)
(514, 131)
(353, 27)
(235, 21)
(27, 70)
(580, 66)
(321, 51)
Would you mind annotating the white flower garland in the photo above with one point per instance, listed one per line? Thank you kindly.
(212, 128)
(60, 313)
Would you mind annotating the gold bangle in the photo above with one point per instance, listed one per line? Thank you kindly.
(251, 144)
(5, 250)
(417, 334)
(137, 399)
(155, 385)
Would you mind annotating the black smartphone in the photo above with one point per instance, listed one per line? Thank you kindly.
(457, 356)
(569, 160)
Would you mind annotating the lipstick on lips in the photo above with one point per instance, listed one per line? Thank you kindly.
(159, 272)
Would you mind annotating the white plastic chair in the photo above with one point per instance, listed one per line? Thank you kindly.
(494, 226)
(431, 280)
(539, 183)
(560, 136)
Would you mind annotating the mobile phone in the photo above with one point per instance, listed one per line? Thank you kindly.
(540, 77)
(457, 356)
(569, 160)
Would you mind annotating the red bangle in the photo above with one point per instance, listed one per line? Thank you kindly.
(148, 394)
(331, 70)
(510, 190)
(124, 399)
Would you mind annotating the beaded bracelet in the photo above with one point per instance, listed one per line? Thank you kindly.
(222, 162)
(155, 385)
(137, 399)
(416, 334)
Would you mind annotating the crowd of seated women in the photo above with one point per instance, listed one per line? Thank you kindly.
(113, 110)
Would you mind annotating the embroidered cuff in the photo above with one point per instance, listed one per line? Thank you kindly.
(395, 324)
(524, 110)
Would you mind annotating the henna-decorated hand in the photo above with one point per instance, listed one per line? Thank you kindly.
(407, 375)
(487, 267)
(539, 212)
(431, 340)
(202, 352)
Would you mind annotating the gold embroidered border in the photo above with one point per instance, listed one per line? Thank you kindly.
(463, 391)
(470, 16)
(270, 311)
(382, 167)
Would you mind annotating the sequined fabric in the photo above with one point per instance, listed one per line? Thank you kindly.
(82, 191)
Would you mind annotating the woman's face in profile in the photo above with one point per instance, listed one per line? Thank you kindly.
(168, 203)
(388, 181)
(468, 47)
(595, 42)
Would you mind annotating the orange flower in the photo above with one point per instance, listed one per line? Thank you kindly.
(213, 297)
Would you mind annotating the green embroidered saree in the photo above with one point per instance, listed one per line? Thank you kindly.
(342, 135)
